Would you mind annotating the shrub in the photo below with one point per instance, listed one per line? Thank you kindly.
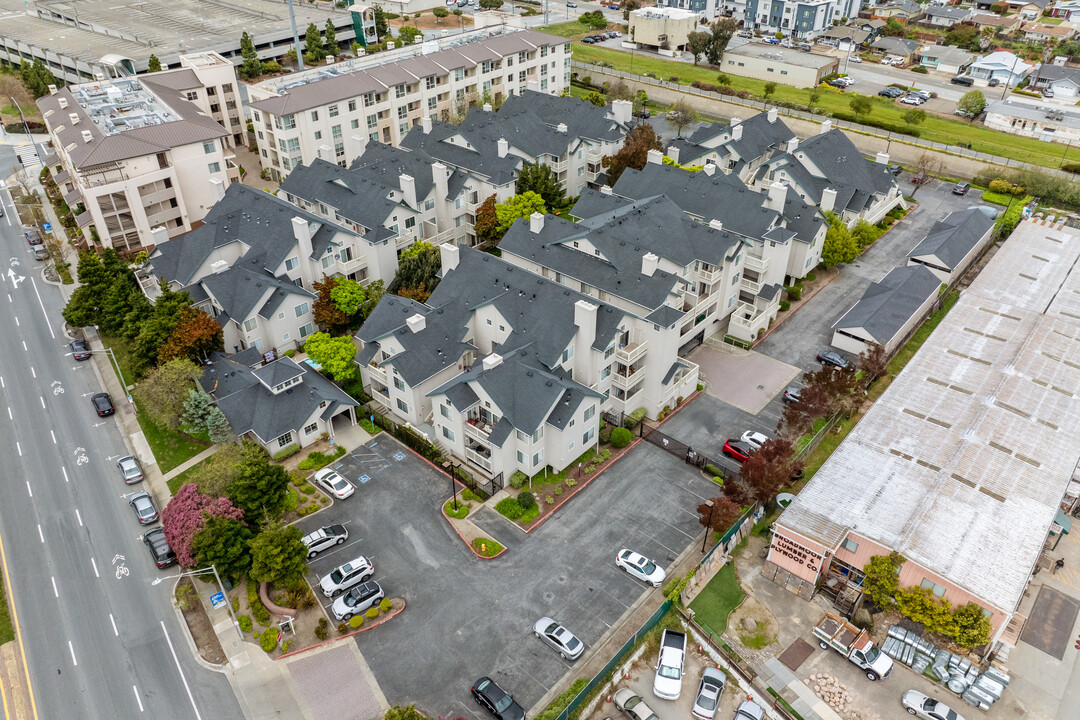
(785, 305)
(571, 482)
(563, 701)
(549, 500)
(467, 494)
(272, 66)
(631, 420)
(356, 621)
(244, 621)
(258, 610)
(621, 437)
(558, 490)
(285, 646)
(794, 293)
(385, 605)
(526, 500)
(317, 459)
(287, 452)
(268, 639)
(518, 479)
(1071, 167)
(461, 512)
(862, 619)
(342, 628)
(292, 500)
(372, 613)
(320, 629)
(921, 69)
(605, 433)
(509, 508)
(713, 470)
(811, 277)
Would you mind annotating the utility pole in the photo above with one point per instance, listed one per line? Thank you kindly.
(296, 36)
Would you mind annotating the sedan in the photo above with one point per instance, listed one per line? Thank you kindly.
(498, 702)
(79, 350)
(640, 567)
(749, 710)
(891, 92)
(855, 59)
(102, 404)
(927, 708)
(792, 394)
(896, 168)
(993, 82)
(754, 439)
(144, 508)
(334, 484)
(159, 548)
(130, 469)
(737, 449)
(831, 357)
(346, 576)
(360, 599)
(961, 188)
(32, 236)
(708, 695)
(323, 538)
(631, 704)
(571, 4)
(562, 640)
(588, 40)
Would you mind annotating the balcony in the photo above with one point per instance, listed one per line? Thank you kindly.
(478, 430)
(472, 207)
(627, 378)
(594, 158)
(377, 374)
(753, 262)
(381, 396)
(406, 239)
(557, 165)
(748, 320)
(750, 286)
(478, 458)
(348, 267)
(681, 383)
(710, 276)
(631, 353)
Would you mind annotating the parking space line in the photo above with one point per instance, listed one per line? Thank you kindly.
(674, 527)
(338, 548)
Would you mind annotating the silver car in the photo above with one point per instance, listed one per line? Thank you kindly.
(927, 708)
(144, 508)
(130, 469)
(358, 600)
(632, 704)
(562, 640)
(344, 577)
(708, 695)
(324, 538)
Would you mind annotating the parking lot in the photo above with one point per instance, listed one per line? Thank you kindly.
(468, 617)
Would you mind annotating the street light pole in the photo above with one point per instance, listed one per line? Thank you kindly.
(203, 571)
(708, 525)
(449, 466)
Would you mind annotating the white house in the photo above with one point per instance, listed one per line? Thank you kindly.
(1002, 65)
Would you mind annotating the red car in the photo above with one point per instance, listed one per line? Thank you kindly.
(737, 449)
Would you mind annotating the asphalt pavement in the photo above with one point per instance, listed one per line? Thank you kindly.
(100, 640)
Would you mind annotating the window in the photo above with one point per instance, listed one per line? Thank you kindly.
(570, 446)
(850, 545)
(354, 124)
(932, 586)
(521, 457)
(335, 132)
(292, 263)
(410, 222)
(459, 75)
(402, 405)
(352, 105)
(192, 95)
(301, 309)
(402, 112)
(333, 111)
(447, 433)
(432, 103)
(430, 82)
(399, 384)
(399, 91)
(318, 134)
(250, 325)
(314, 115)
(285, 337)
(209, 147)
(429, 204)
(369, 99)
(590, 412)
(306, 330)
(538, 458)
(311, 428)
(287, 122)
(735, 278)
(284, 440)
(214, 167)
(605, 372)
(568, 353)
(372, 121)
(587, 437)
(373, 137)
(444, 410)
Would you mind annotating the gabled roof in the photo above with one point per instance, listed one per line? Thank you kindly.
(947, 53)
(1054, 73)
(891, 302)
(758, 136)
(1005, 60)
(242, 292)
(485, 163)
(953, 13)
(896, 46)
(952, 238)
(277, 373)
(593, 202)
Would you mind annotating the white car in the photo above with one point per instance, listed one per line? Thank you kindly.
(927, 708)
(912, 100)
(755, 439)
(708, 695)
(848, 80)
(324, 538)
(856, 59)
(334, 484)
(562, 640)
(640, 567)
(346, 576)
(358, 600)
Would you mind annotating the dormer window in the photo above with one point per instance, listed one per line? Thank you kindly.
(281, 387)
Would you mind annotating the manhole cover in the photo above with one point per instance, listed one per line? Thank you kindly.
(549, 596)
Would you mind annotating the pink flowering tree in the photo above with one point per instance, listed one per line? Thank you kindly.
(186, 515)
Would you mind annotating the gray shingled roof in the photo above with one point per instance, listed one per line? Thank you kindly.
(896, 46)
(889, 303)
(758, 136)
(952, 238)
(593, 202)
(239, 291)
(277, 373)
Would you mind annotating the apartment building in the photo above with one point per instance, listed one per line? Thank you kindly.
(739, 148)
(802, 19)
(333, 112)
(146, 152)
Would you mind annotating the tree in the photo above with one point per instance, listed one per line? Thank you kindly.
(893, 28)
(195, 336)
(861, 105)
(278, 556)
(327, 313)
(440, 14)
(487, 222)
(926, 167)
(972, 625)
(538, 178)
(348, 296)
(517, 207)
(840, 246)
(259, 487)
(963, 35)
(721, 516)
(619, 90)
(681, 115)
(769, 467)
(330, 33)
(881, 579)
(156, 328)
(336, 355)
(375, 291)
(491, 4)
(798, 417)
(913, 117)
(251, 66)
(418, 266)
(313, 44)
(812, 97)
(768, 91)
(408, 35)
(720, 35)
(161, 394)
(153, 64)
(457, 12)
(186, 514)
(874, 362)
(596, 99)
(223, 543)
(217, 426)
(972, 104)
(381, 28)
(634, 153)
(841, 389)
(83, 308)
(196, 410)
(36, 78)
(697, 43)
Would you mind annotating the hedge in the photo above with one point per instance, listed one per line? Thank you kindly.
(560, 703)
(287, 452)
(268, 639)
(621, 437)
(631, 420)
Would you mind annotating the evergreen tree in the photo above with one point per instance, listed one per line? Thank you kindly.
(153, 64)
(539, 178)
(330, 32)
(313, 45)
(251, 67)
(217, 426)
(196, 410)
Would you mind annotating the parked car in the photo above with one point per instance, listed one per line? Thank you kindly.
(143, 504)
(613, 7)
(896, 168)
(644, 114)
(33, 236)
(912, 100)
(964, 80)
(571, 4)
(498, 702)
(837, 83)
(755, 439)
(961, 188)
(130, 469)
(891, 92)
(1048, 92)
(323, 538)
(334, 484)
(855, 59)
(919, 178)
(558, 637)
(708, 695)
(792, 394)
(927, 708)
(102, 404)
(993, 82)
(357, 601)
(345, 577)
(737, 449)
(160, 551)
(749, 710)
(640, 567)
(886, 61)
(831, 357)
(588, 40)
(41, 252)
(921, 94)
(963, 113)
(632, 705)
(847, 80)
(615, 33)
(79, 350)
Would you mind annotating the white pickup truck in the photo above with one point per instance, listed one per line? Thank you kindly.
(834, 632)
(669, 666)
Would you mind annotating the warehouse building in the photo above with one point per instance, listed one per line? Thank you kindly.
(789, 67)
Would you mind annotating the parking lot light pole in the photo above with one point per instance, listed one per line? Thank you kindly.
(203, 571)
(708, 525)
(449, 467)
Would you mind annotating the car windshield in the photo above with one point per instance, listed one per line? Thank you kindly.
(872, 654)
(649, 567)
(503, 703)
(336, 575)
(632, 702)
(668, 671)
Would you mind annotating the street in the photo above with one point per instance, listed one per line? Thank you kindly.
(100, 641)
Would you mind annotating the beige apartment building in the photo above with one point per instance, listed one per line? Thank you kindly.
(332, 112)
(142, 158)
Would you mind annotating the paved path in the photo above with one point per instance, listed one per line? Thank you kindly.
(191, 462)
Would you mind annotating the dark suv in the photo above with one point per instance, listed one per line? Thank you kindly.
(103, 404)
(159, 548)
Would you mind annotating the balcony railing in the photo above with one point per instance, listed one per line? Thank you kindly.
(377, 374)
(751, 286)
(348, 267)
(594, 158)
(755, 263)
(690, 371)
(478, 459)
(631, 353)
(382, 397)
(406, 239)
(478, 431)
(628, 380)
(710, 276)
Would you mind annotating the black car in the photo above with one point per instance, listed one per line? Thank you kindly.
(588, 40)
(961, 188)
(895, 168)
(103, 404)
(79, 350)
(497, 701)
(159, 548)
(831, 357)
(890, 92)
(964, 80)
(993, 82)
(644, 114)
(792, 394)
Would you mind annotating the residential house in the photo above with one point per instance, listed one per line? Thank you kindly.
(847, 38)
(1050, 124)
(766, 62)
(1061, 80)
(953, 243)
(145, 152)
(1066, 9)
(888, 311)
(944, 15)
(896, 47)
(803, 19)
(1002, 65)
(901, 10)
(827, 170)
(1037, 32)
(739, 148)
(1006, 24)
(946, 58)
(1027, 9)
(278, 404)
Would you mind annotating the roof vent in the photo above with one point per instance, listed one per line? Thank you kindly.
(87, 137)
(74, 117)
(62, 102)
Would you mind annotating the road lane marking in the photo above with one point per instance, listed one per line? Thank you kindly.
(113, 621)
(55, 591)
(16, 320)
(2, 382)
(64, 470)
(79, 516)
(137, 698)
(72, 649)
(42, 401)
(94, 563)
(48, 324)
(179, 669)
(28, 489)
(24, 345)
(6, 581)
(33, 371)
(53, 437)
(41, 534)
(18, 447)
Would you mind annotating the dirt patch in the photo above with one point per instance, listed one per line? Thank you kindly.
(202, 631)
(427, 21)
(11, 87)
(764, 632)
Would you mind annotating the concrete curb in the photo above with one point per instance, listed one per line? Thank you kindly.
(442, 509)
(190, 639)
(364, 628)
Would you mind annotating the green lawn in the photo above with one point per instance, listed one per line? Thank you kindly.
(936, 128)
(170, 447)
(722, 595)
(572, 29)
(1051, 20)
(7, 630)
(123, 357)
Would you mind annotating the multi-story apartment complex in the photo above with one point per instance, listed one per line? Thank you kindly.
(798, 18)
(146, 152)
(738, 148)
(333, 112)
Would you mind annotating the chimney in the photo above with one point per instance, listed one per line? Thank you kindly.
(62, 102)
(217, 189)
(709, 169)
(622, 111)
(649, 263)
(828, 199)
(533, 85)
(302, 233)
(52, 89)
(883, 158)
(792, 144)
(777, 196)
(416, 323)
(585, 314)
(561, 127)
(87, 137)
(440, 177)
(772, 115)
(425, 123)
(826, 126)
(492, 360)
(536, 222)
(408, 189)
(449, 255)
(673, 153)
(159, 235)
(504, 147)
(606, 190)
(487, 107)
(74, 118)
(585, 320)
(656, 157)
(716, 224)
(736, 131)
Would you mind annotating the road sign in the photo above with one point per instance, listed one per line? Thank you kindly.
(47, 227)
(217, 600)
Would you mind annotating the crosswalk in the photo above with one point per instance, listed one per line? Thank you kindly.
(28, 155)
